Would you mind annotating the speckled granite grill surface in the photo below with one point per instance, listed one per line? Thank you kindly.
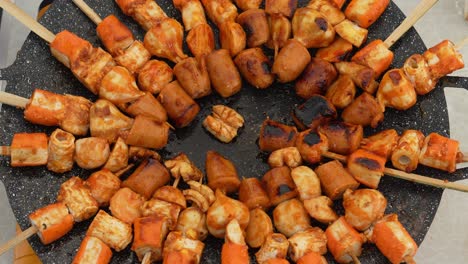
(32, 188)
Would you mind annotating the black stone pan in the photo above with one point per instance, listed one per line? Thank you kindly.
(32, 188)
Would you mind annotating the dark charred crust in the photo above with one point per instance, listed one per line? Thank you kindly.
(273, 130)
(292, 5)
(312, 138)
(321, 23)
(249, 31)
(314, 109)
(366, 77)
(368, 163)
(266, 67)
(283, 189)
(395, 77)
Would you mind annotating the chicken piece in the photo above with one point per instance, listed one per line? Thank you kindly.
(311, 145)
(220, 11)
(259, 228)
(147, 178)
(310, 240)
(77, 115)
(284, 7)
(164, 40)
(61, 149)
(106, 121)
(134, 57)
(280, 31)
(351, 32)
(311, 28)
(393, 240)
(312, 258)
(252, 194)
(138, 154)
(396, 91)
(232, 37)
(343, 138)
(182, 256)
(180, 107)
(94, 249)
(91, 68)
(103, 184)
(320, 208)
(148, 14)
(91, 152)
(68, 48)
(118, 158)
(362, 76)
(337, 51)
(193, 77)
(181, 166)
(275, 246)
(248, 4)
(139, 136)
(221, 173)
(45, 108)
(443, 59)
(114, 35)
(78, 199)
(285, 157)
(197, 199)
(224, 123)
(200, 40)
(255, 67)
(204, 190)
(274, 135)
(192, 14)
(279, 185)
(171, 194)
(224, 76)
(317, 110)
(155, 207)
(234, 250)
(316, 78)
(343, 241)
(255, 24)
(29, 149)
(364, 111)
(382, 143)
(365, 12)
(177, 242)
(307, 182)
(125, 205)
(149, 235)
(363, 207)
(222, 211)
(154, 75)
(405, 155)
(375, 55)
(52, 222)
(147, 106)
(366, 167)
(291, 60)
(291, 217)
(439, 152)
(418, 72)
(335, 179)
(341, 92)
(192, 220)
(110, 230)
(328, 9)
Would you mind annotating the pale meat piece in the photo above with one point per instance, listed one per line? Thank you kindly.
(76, 120)
(147, 13)
(165, 40)
(200, 40)
(234, 250)
(363, 207)
(118, 158)
(68, 48)
(119, 86)
(285, 157)
(232, 37)
(382, 143)
(258, 229)
(220, 11)
(106, 121)
(222, 211)
(396, 91)
(405, 156)
(443, 59)
(280, 31)
(61, 150)
(92, 250)
(351, 32)
(78, 199)
(275, 246)
(134, 57)
(115, 233)
(181, 166)
(375, 55)
(192, 220)
(321, 209)
(193, 14)
(418, 72)
(149, 235)
(307, 183)
(91, 152)
(311, 28)
(45, 108)
(177, 242)
(172, 195)
(29, 149)
(343, 241)
(154, 75)
(290, 217)
(310, 240)
(52, 222)
(328, 9)
(162, 209)
(125, 205)
(103, 184)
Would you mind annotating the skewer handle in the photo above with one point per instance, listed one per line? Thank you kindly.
(409, 21)
(355, 259)
(147, 258)
(18, 239)
(89, 12)
(28, 21)
(13, 100)
(410, 176)
(5, 151)
(176, 182)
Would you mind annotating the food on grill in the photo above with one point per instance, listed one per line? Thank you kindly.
(52, 221)
(335, 179)
(29, 149)
(258, 229)
(405, 155)
(290, 217)
(363, 207)
(221, 173)
(274, 135)
(279, 185)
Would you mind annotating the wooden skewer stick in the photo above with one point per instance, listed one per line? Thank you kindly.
(18, 239)
(355, 259)
(410, 260)
(176, 182)
(409, 21)
(465, 157)
(461, 43)
(410, 176)
(5, 151)
(146, 258)
(88, 11)
(28, 21)
(13, 100)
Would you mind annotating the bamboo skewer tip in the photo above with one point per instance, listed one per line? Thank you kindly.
(89, 12)
(146, 258)
(18, 239)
